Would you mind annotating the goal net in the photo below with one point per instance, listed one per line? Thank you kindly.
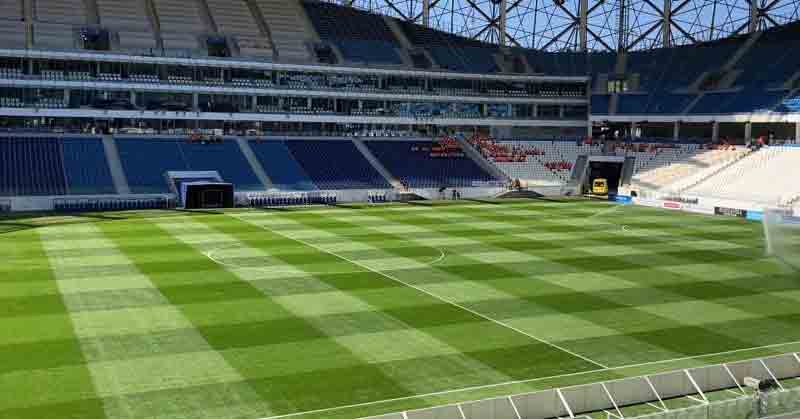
(782, 231)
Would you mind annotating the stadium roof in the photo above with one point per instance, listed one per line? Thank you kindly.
(609, 25)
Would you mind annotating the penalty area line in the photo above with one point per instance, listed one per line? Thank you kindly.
(431, 294)
(515, 382)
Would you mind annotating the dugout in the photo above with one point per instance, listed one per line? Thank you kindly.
(207, 195)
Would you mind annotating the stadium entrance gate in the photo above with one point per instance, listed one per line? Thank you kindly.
(604, 167)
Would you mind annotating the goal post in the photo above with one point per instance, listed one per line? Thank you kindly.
(782, 235)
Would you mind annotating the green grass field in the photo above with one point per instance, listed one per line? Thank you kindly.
(344, 312)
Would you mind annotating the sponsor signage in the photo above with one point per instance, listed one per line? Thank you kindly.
(730, 212)
(623, 199)
(672, 205)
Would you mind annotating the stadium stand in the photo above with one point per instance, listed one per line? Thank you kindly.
(336, 165)
(235, 18)
(280, 165)
(767, 176)
(289, 28)
(180, 26)
(537, 162)
(131, 22)
(31, 166)
(700, 163)
(56, 23)
(452, 52)
(146, 161)
(360, 36)
(419, 164)
(86, 168)
(12, 27)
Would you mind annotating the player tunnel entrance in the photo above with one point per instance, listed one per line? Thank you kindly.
(608, 169)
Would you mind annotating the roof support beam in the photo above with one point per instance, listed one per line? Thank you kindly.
(584, 25)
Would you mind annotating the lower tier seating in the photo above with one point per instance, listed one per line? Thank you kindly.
(428, 164)
(768, 176)
(53, 166)
(280, 165)
(146, 162)
(336, 165)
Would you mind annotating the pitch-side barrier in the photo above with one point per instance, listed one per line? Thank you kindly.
(610, 396)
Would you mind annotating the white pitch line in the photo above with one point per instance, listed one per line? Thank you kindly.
(507, 383)
(438, 297)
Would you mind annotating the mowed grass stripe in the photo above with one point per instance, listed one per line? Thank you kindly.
(710, 296)
(341, 376)
(648, 347)
(42, 369)
(706, 321)
(514, 309)
(151, 367)
(532, 348)
(424, 362)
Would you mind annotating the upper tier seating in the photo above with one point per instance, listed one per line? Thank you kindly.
(146, 162)
(31, 166)
(772, 60)
(600, 104)
(361, 36)
(412, 163)
(288, 27)
(56, 22)
(453, 52)
(561, 63)
(336, 165)
(12, 28)
(86, 167)
(280, 166)
(180, 25)
(233, 17)
(656, 102)
(738, 102)
(129, 19)
(679, 67)
(768, 176)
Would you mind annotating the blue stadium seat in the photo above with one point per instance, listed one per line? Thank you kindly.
(415, 167)
(281, 167)
(336, 165)
(86, 167)
(31, 166)
(147, 160)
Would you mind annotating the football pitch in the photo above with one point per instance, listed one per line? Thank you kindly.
(350, 311)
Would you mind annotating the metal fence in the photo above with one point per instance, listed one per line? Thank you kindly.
(572, 402)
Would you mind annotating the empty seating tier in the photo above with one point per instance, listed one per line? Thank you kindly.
(129, 19)
(53, 166)
(288, 27)
(361, 36)
(56, 22)
(336, 165)
(12, 28)
(146, 162)
(31, 166)
(768, 176)
(86, 167)
(180, 24)
(421, 164)
(235, 18)
(281, 167)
